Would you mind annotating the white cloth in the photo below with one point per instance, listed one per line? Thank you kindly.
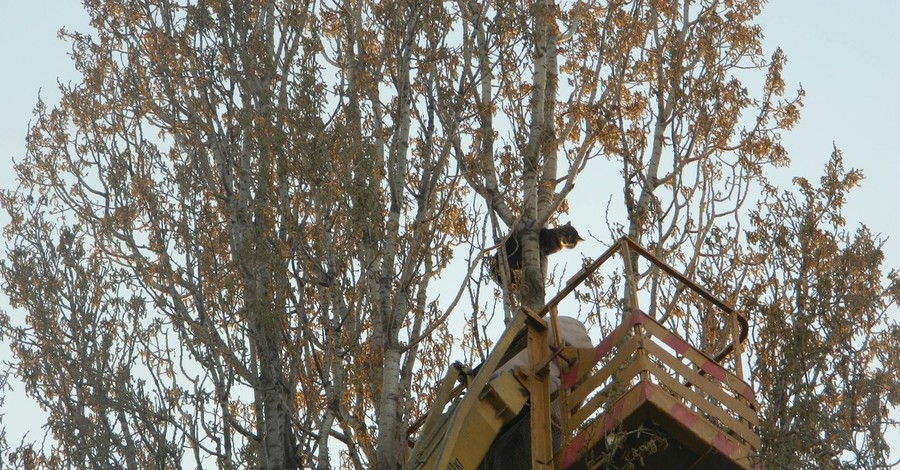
(572, 333)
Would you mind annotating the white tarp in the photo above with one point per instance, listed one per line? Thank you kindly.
(572, 332)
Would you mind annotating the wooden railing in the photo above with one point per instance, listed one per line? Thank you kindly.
(639, 354)
(624, 246)
(640, 351)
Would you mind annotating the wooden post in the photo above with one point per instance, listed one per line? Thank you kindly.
(737, 347)
(631, 303)
(562, 395)
(539, 388)
(631, 300)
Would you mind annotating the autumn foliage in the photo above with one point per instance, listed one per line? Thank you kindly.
(231, 242)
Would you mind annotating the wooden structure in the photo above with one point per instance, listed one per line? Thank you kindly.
(643, 395)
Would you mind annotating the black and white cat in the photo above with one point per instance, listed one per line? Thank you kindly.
(551, 240)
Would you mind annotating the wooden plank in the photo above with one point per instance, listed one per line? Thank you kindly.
(429, 443)
(502, 399)
(589, 436)
(704, 383)
(649, 400)
(576, 364)
(571, 377)
(738, 347)
(705, 405)
(631, 300)
(708, 364)
(624, 378)
(539, 388)
(434, 415)
(481, 379)
(711, 435)
(445, 392)
(590, 382)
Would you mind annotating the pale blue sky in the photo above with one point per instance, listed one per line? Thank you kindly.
(32, 58)
(845, 56)
(843, 53)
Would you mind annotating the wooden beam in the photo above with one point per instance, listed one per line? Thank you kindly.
(539, 388)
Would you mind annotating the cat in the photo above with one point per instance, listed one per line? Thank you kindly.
(551, 240)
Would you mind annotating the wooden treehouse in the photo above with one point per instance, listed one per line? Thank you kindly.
(642, 397)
